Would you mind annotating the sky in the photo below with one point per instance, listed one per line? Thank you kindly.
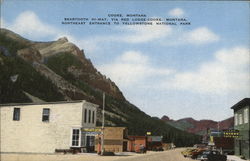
(198, 70)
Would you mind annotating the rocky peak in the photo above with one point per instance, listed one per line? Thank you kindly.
(165, 118)
(80, 67)
(63, 39)
(199, 126)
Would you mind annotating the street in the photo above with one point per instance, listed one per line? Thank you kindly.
(170, 155)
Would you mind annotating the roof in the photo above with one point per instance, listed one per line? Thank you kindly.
(41, 103)
(113, 127)
(132, 136)
(241, 104)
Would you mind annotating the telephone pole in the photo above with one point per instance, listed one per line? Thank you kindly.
(103, 119)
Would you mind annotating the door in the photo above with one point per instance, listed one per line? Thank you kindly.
(90, 143)
(240, 148)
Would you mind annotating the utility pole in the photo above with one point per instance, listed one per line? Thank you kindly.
(103, 119)
(218, 127)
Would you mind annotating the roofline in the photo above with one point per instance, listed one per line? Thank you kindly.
(44, 103)
(113, 127)
(241, 104)
(136, 136)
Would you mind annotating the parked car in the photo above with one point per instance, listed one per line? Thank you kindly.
(212, 155)
(195, 153)
(142, 149)
(187, 152)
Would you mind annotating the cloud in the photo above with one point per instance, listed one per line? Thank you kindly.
(143, 34)
(132, 68)
(134, 34)
(198, 37)
(31, 26)
(201, 35)
(176, 12)
(162, 35)
(28, 23)
(229, 72)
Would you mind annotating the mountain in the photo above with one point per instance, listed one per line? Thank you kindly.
(59, 71)
(199, 127)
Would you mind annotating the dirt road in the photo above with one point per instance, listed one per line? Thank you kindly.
(170, 155)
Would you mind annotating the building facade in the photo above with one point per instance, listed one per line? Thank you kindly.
(115, 140)
(135, 143)
(241, 123)
(46, 127)
(154, 143)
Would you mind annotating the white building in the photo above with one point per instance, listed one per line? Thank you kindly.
(45, 127)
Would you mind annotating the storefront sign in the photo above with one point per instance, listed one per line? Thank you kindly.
(92, 130)
(231, 133)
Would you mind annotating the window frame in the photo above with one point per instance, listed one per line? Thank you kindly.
(79, 137)
(16, 114)
(240, 119)
(46, 114)
(246, 116)
(89, 121)
(85, 115)
(93, 117)
(236, 121)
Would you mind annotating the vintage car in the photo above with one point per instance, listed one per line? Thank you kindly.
(197, 152)
(187, 152)
(212, 155)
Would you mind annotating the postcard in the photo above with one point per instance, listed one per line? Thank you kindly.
(97, 76)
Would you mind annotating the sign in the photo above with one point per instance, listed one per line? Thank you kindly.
(99, 130)
(155, 138)
(216, 133)
(92, 133)
(231, 133)
(148, 133)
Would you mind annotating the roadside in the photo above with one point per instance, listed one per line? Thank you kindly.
(170, 155)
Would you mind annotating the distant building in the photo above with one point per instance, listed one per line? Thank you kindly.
(46, 127)
(135, 143)
(241, 123)
(154, 143)
(115, 140)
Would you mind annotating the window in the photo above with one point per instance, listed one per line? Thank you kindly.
(240, 119)
(89, 116)
(85, 115)
(246, 115)
(75, 137)
(46, 112)
(16, 114)
(93, 117)
(235, 119)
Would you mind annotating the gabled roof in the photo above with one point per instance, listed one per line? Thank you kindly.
(241, 104)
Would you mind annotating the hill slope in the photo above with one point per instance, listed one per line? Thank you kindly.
(58, 70)
(199, 127)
